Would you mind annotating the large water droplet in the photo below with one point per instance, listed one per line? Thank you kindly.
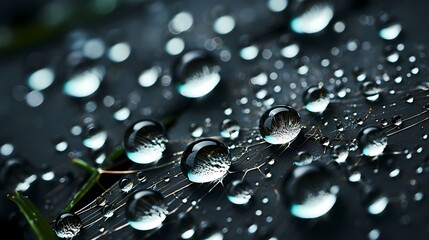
(85, 83)
(146, 210)
(316, 99)
(205, 160)
(145, 141)
(310, 191)
(280, 125)
(67, 225)
(196, 74)
(16, 174)
(372, 141)
(239, 192)
(312, 18)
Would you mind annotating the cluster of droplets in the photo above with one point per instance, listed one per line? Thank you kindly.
(309, 189)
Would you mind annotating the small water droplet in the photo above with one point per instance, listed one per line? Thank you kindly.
(126, 184)
(205, 160)
(229, 128)
(316, 99)
(397, 120)
(372, 141)
(119, 52)
(304, 158)
(249, 52)
(374, 201)
(371, 91)
(145, 141)
(339, 153)
(312, 18)
(68, 225)
(16, 174)
(186, 225)
(239, 192)
(224, 24)
(84, 83)
(280, 125)
(196, 74)
(196, 130)
(95, 137)
(310, 191)
(41, 79)
(145, 210)
(389, 28)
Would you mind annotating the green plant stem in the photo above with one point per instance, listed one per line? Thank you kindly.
(35, 218)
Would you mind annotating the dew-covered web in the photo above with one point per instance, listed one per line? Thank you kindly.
(369, 91)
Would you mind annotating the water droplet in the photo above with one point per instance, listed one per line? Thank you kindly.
(249, 52)
(229, 128)
(149, 76)
(186, 225)
(310, 191)
(41, 79)
(277, 5)
(196, 74)
(122, 113)
(47, 174)
(312, 18)
(397, 120)
(355, 176)
(145, 141)
(34, 98)
(85, 83)
(60, 145)
(175, 46)
(290, 50)
(126, 184)
(371, 91)
(196, 130)
(359, 74)
(372, 141)
(210, 231)
(101, 201)
(374, 234)
(389, 27)
(304, 158)
(95, 136)
(374, 201)
(205, 160)
(339, 153)
(16, 174)
(6, 149)
(239, 192)
(146, 210)
(119, 52)
(224, 24)
(409, 98)
(280, 125)
(67, 225)
(316, 99)
(108, 211)
(182, 22)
